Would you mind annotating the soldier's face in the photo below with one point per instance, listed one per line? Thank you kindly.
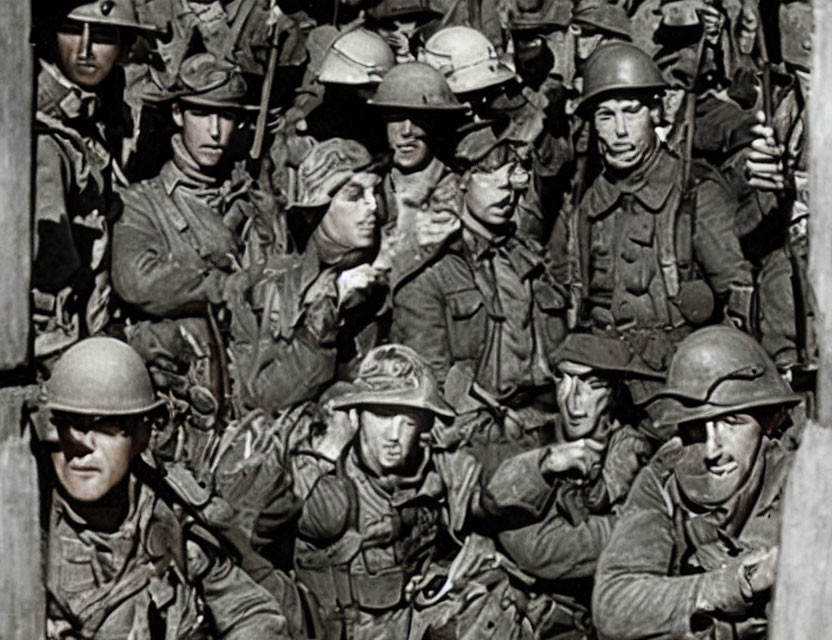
(351, 217)
(583, 399)
(389, 436)
(491, 194)
(205, 132)
(409, 143)
(87, 52)
(625, 129)
(731, 446)
(95, 453)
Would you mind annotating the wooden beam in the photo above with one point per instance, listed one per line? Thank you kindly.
(15, 182)
(22, 605)
(803, 590)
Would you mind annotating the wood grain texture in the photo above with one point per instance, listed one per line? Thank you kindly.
(22, 595)
(16, 95)
(803, 592)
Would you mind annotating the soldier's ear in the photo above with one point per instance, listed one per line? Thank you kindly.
(141, 435)
(176, 113)
(657, 112)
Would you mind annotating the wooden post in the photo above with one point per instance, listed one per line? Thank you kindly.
(803, 592)
(22, 610)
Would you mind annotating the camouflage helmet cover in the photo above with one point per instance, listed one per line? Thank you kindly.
(395, 375)
(206, 80)
(101, 376)
(719, 370)
(327, 168)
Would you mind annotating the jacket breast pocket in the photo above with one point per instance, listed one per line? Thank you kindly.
(551, 304)
(466, 320)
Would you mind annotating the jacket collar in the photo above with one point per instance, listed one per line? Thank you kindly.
(60, 97)
(651, 185)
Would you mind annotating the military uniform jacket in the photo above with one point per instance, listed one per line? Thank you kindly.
(290, 339)
(171, 250)
(632, 245)
(566, 542)
(159, 576)
(670, 571)
(362, 537)
(492, 305)
(74, 208)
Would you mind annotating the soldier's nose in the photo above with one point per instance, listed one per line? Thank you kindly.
(85, 46)
(713, 440)
(214, 126)
(82, 441)
(620, 125)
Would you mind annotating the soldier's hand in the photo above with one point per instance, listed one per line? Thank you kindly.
(759, 569)
(581, 456)
(355, 285)
(712, 20)
(432, 227)
(764, 164)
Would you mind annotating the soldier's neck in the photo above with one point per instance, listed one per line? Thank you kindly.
(473, 227)
(105, 515)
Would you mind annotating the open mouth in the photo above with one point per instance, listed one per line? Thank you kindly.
(722, 469)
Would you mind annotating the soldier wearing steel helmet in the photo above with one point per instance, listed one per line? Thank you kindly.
(380, 495)
(648, 262)
(483, 79)
(695, 550)
(123, 556)
(78, 138)
(419, 193)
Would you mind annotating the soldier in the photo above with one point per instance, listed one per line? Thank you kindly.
(694, 552)
(124, 556)
(636, 242)
(376, 508)
(596, 452)
(179, 249)
(401, 23)
(79, 103)
(343, 72)
(419, 192)
(485, 312)
(311, 317)
(777, 163)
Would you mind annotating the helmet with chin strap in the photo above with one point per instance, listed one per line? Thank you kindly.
(720, 370)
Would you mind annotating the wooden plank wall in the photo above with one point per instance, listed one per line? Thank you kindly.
(16, 91)
(21, 586)
(803, 593)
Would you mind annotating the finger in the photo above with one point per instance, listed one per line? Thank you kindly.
(766, 185)
(767, 146)
(594, 445)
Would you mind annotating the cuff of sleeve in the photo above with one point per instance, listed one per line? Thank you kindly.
(519, 483)
(721, 590)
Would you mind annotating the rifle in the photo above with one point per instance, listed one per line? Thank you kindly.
(784, 204)
(266, 91)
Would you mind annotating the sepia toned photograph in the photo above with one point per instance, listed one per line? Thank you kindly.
(415, 320)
